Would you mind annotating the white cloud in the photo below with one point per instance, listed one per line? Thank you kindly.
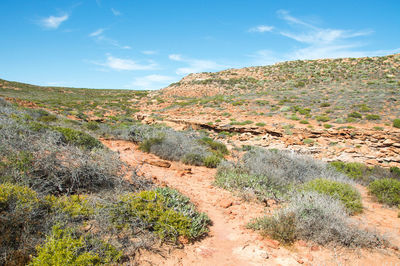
(53, 22)
(149, 52)
(175, 57)
(96, 33)
(115, 12)
(194, 65)
(153, 81)
(261, 28)
(116, 63)
(100, 37)
(316, 42)
(321, 42)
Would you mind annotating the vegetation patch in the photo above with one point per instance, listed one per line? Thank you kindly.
(396, 123)
(347, 194)
(66, 247)
(186, 146)
(362, 173)
(159, 215)
(79, 138)
(318, 218)
(386, 191)
(265, 174)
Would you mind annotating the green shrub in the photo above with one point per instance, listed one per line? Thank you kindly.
(386, 190)
(304, 122)
(395, 170)
(79, 138)
(212, 161)
(373, 117)
(327, 126)
(348, 195)
(318, 218)
(260, 124)
(66, 247)
(193, 159)
(322, 118)
(150, 208)
(353, 170)
(176, 201)
(249, 185)
(24, 220)
(92, 125)
(146, 144)
(20, 197)
(38, 127)
(304, 111)
(47, 118)
(73, 205)
(281, 227)
(354, 115)
(396, 123)
(325, 104)
(215, 146)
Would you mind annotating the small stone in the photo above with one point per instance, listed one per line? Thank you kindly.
(225, 203)
(314, 248)
(272, 243)
(159, 163)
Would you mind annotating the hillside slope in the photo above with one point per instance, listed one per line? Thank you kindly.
(358, 73)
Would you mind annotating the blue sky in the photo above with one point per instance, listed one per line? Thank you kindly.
(138, 44)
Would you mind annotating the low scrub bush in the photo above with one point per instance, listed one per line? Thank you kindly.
(354, 115)
(92, 125)
(151, 211)
(396, 123)
(373, 117)
(386, 191)
(215, 146)
(68, 247)
(322, 118)
(362, 173)
(272, 173)
(75, 206)
(24, 220)
(186, 146)
(249, 185)
(395, 171)
(356, 171)
(212, 161)
(79, 138)
(199, 221)
(347, 194)
(318, 218)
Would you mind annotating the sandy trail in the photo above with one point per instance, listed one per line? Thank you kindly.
(229, 242)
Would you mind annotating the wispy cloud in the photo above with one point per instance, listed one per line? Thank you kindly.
(261, 28)
(116, 12)
(194, 65)
(53, 22)
(99, 36)
(322, 42)
(116, 63)
(315, 42)
(96, 33)
(152, 81)
(149, 52)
